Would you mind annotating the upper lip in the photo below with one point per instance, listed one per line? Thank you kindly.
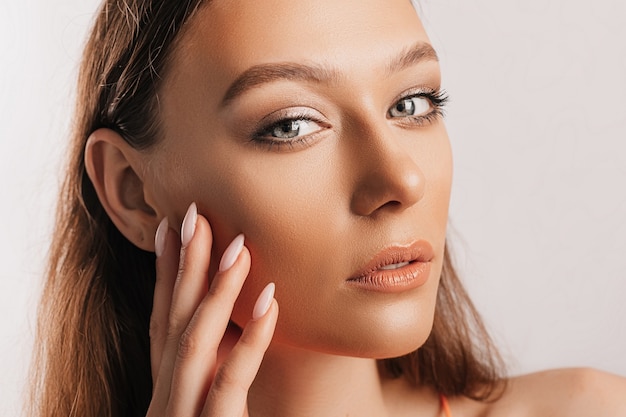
(418, 251)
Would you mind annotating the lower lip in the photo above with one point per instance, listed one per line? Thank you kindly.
(411, 276)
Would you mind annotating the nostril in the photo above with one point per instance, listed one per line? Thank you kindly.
(391, 205)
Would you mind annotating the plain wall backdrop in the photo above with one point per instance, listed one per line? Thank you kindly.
(537, 122)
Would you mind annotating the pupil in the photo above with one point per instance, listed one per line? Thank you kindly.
(405, 107)
(288, 129)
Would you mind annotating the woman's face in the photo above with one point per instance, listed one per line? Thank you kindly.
(313, 128)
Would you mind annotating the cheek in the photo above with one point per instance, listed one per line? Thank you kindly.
(286, 212)
(436, 162)
(285, 206)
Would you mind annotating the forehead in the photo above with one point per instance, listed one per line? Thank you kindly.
(236, 34)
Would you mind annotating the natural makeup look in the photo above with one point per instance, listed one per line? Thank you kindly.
(314, 129)
(300, 143)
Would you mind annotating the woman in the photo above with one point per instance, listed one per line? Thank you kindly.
(271, 153)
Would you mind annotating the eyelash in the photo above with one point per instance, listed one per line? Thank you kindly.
(438, 99)
(261, 136)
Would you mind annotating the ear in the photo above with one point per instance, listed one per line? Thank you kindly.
(114, 168)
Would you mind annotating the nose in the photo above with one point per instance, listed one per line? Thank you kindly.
(388, 179)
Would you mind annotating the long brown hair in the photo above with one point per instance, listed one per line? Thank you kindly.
(92, 350)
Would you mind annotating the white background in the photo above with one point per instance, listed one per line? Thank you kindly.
(538, 125)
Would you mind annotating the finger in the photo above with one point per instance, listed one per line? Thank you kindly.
(229, 391)
(199, 343)
(189, 290)
(168, 247)
(228, 342)
(193, 271)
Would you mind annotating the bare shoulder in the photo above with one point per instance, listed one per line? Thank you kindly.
(580, 392)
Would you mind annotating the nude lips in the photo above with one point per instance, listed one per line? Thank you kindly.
(396, 269)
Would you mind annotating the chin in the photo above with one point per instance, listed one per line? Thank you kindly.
(384, 348)
(393, 345)
(396, 330)
(375, 338)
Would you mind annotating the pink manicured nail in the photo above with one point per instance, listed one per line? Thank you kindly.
(189, 224)
(231, 253)
(159, 237)
(264, 301)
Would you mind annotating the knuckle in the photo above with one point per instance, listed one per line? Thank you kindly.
(226, 380)
(187, 345)
(174, 326)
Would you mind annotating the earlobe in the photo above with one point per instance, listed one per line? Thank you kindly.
(114, 168)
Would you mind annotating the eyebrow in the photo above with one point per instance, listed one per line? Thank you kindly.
(291, 71)
(413, 55)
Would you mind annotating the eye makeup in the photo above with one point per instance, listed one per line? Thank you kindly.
(291, 127)
(405, 107)
(300, 127)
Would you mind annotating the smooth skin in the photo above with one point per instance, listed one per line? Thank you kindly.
(312, 214)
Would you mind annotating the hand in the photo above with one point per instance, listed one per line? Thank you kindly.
(189, 320)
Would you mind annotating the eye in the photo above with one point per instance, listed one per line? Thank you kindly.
(411, 106)
(291, 128)
(420, 107)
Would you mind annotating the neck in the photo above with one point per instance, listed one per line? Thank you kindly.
(295, 383)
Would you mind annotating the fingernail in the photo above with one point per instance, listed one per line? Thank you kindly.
(159, 237)
(189, 224)
(264, 301)
(231, 253)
